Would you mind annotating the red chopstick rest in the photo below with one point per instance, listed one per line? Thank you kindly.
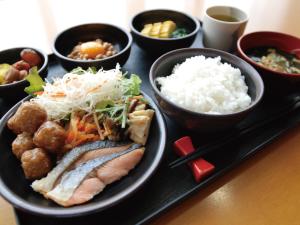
(200, 167)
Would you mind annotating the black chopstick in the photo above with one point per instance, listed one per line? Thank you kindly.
(203, 150)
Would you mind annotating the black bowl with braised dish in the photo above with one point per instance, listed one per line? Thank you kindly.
(92, 45)
(59, 157)
(159, 31)
(15, 64)
(198, 120)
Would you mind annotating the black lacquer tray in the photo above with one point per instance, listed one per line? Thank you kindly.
(168, 186)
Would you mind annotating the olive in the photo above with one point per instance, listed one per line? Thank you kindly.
(11, 75)
(21, 65)
(31, 57)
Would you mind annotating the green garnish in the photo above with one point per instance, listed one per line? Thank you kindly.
(124, 114)
(143, 100)
(179, 32)
(118, 111)
(66, 119)
(104, 104)
(131, 86)
(35, 81)
(79, 71)
(92, 70)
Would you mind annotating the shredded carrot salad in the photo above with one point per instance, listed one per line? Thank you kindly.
(81, 129)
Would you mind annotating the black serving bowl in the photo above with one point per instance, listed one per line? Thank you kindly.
(203, 122)
(16, 189)
(67, 39)
(15, 91)
(158, 46)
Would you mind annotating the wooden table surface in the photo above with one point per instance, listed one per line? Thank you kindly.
(263, 190)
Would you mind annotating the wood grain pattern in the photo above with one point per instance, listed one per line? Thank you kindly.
(7, 216)
(263, 190)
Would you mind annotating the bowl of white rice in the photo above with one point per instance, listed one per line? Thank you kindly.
(205, 90)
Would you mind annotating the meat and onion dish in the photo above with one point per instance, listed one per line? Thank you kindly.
(97, 49)
(20, 69)
(80, 133)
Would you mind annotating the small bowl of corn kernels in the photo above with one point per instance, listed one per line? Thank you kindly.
(159, 31)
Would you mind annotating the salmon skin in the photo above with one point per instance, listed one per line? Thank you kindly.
(71, 180)
(46, 184)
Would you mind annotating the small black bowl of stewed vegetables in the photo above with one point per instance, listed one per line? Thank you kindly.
(159, 31)
(16, 66)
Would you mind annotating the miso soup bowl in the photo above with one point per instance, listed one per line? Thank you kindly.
(277, 83)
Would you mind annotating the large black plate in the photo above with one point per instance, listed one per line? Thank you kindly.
(169, 186)
(20, 194)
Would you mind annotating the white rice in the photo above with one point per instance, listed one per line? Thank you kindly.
(206, 85)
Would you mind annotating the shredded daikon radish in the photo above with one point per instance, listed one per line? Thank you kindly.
(75, 92)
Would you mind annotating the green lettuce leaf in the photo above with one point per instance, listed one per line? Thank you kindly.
(35, 81)
(92, 70)
(103, 104)
(80, 71)
(132, 85)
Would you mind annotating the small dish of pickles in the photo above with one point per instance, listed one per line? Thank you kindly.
(165, 29)
(159, 31)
